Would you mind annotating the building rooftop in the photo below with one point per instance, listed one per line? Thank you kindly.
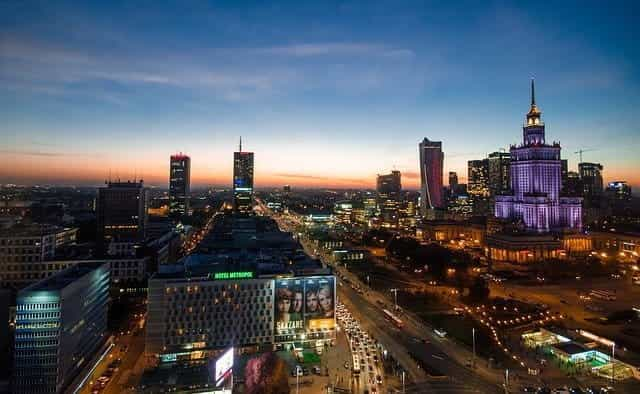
(30, 230)
(571, 348)
(65, 277)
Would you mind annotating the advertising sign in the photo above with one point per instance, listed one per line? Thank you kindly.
(319, 302)
(224, 364)
(289, 306)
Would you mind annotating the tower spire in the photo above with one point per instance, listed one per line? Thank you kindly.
(533, 92)
(240, 150)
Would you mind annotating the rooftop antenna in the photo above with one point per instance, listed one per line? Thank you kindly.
(533, 92)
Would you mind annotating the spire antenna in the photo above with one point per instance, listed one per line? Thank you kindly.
(240, 144)
(533, 92)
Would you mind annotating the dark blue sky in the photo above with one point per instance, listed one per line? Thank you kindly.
(326, 93)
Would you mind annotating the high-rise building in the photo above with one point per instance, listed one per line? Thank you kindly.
(61, 327)
(478, 186)
(591, 176)
(431, 170)
(122, 213)
(536, 180)
(242, 180)
(573, 187)
(389, 187)
(499, 167)
(453, 180)
(478, 178)
(179, 184)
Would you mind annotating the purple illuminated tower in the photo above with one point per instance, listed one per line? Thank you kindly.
(536, 181)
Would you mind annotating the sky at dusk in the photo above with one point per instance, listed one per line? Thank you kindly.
(326, 93)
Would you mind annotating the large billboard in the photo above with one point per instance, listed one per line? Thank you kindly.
(304, 304)
(289, 306)
(320, 302)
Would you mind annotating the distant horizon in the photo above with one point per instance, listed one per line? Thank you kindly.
(327, 95)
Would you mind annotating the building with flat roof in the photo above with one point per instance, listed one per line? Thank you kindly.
(250, 285)
(61, 325)
(179, 184)
(25, 251)
(121, 213)
(242, 180)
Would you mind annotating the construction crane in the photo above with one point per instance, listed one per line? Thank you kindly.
(581, 151)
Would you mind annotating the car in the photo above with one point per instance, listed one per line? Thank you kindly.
(317, 370)
(378, 379)
(305, 371)
(370, 368)
(346, 365)
(528, 389)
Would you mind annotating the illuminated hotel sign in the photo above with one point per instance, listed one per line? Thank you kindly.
(231, 275)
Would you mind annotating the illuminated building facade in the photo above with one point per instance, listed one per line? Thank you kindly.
(61, 327)
(242, 180)
(179, 184)
(478, 185)
(191, 314)
(431, 170)
(499, 164)
(536, 182)
(619, 190)
(122, 213)
(389, 187)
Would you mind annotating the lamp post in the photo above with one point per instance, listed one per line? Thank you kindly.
(613, 362)
(473, 333)
(395, 292)
(403, 392)
(298, 370)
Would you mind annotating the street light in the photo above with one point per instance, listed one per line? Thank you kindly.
(473, 333)
(395, 292)
(298, 370)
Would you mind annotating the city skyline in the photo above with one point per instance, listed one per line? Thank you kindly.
(99, 97)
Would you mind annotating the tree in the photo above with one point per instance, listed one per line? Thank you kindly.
(479, 290)
(266, 374)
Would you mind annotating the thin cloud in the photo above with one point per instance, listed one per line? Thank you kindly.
(20, 152)
(320, 49)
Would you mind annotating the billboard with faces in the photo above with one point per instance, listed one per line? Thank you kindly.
(305, 303)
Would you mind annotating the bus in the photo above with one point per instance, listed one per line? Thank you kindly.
(393, 318)
(356, 365)
(603, 294)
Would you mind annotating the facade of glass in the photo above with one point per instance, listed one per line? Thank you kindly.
(179, 184)
(61, 324)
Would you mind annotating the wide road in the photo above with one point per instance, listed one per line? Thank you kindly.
(411, 338)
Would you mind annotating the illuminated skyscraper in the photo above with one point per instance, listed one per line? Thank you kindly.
(179, 184)
(431, 169)
(536, 181)
(242, 180)
(389, 187)
(478, 185)
(499, 165)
